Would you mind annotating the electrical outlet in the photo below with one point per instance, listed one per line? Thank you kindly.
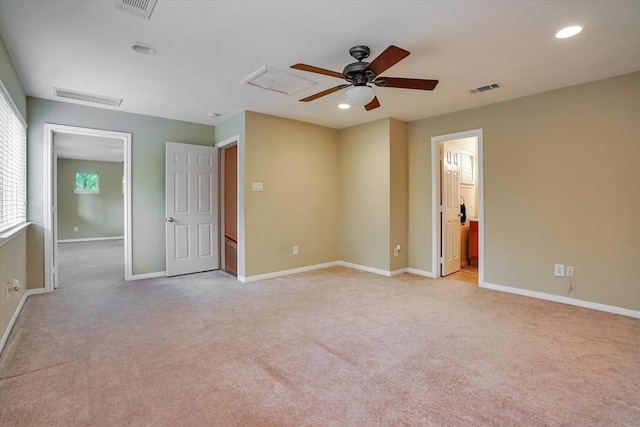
(75, 229)
(12, 286)
(569, 271)
(558, 270)
(295, 250)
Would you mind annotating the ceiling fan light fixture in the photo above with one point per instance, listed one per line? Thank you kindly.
(344, 106)
(360, 95)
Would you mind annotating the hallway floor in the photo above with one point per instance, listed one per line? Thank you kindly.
(468, 273)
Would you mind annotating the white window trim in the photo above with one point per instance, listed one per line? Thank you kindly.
(12, 232)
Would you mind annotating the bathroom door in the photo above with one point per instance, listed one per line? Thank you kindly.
(450, 209)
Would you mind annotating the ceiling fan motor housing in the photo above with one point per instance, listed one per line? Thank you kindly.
(356, 74)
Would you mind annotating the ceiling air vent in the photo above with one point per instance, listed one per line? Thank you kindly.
(486, 88)
(87, 97)
(141, 8)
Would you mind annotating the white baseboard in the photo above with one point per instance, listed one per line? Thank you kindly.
(12, 322)
(248, 279)
(147, 275)
(397, 272)
(385, 272)
(365, 268)
(563, 300)
(91, 239)
(333, 264)
(420, 272)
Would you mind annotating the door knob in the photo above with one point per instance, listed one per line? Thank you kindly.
(169, 219)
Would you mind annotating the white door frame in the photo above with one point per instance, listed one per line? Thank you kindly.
(222, 146)
(50, 196)
(229, 142)
(436, 241)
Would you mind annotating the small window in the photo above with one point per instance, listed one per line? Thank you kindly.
(466, 168)
(87, 183)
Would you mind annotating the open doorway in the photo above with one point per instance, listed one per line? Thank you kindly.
(229, 205)
(70, 151)
(457, 206)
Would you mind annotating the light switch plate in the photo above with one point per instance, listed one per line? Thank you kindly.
(256, 186)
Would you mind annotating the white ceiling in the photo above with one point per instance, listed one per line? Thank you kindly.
(205, 48)
(82, 147)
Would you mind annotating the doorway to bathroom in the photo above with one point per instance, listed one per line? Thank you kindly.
(457, 206)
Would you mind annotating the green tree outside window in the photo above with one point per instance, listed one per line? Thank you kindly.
(87, 182)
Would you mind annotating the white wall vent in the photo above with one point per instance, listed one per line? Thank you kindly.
(142, 8)
(270, 78)
(87, 97)
(486, 88)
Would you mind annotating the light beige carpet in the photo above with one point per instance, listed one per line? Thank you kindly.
(335, 347)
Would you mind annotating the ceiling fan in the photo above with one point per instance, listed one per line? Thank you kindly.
(361, 74)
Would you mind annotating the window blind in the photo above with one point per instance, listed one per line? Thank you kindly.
(13, 163)
(466, 168)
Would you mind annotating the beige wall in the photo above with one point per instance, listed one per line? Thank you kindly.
(365, 194)
(560, 186)
(326, 191)
(298, 165)
(95, 215)
(374, 195)
(399, 194)
(13, 265)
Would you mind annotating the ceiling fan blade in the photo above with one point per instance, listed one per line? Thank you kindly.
(323, 93)
(402, 83)
(318, 70)
(373, 104)
(387, 59)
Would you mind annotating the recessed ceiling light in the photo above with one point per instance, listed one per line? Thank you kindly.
(143, 48)
(344, 106)
(568, 32)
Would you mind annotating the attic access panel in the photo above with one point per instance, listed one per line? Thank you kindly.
(277, 80)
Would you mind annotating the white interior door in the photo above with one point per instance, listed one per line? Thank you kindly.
(450, 209)
(191, 208)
